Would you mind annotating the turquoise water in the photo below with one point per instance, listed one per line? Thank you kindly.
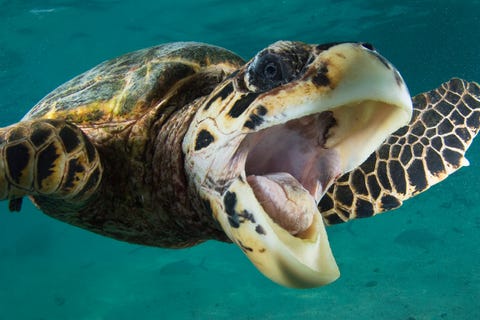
(419, 262)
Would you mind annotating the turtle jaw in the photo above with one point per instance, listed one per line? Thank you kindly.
(354, 98)
(288, 177)
(295, 163)
(271, 207)
(292, 261)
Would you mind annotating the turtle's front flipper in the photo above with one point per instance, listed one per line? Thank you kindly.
(49, 159)
(415, 157)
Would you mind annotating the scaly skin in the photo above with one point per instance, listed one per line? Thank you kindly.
(48, 158)
(414, 158)
(144, 196)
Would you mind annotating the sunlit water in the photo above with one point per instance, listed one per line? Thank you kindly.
(419, 262)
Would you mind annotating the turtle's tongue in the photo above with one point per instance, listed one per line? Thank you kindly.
(285, 200)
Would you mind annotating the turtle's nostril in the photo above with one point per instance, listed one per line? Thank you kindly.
(368, 46)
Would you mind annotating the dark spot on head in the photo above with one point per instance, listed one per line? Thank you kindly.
(204, 139)
(233, 221)
(261, 110)
(230, 201)
(321, 78)
(18, 157)
(256, 118)
(259, 229)
(245, 215)
(253, 122)
(242, 104)
(223, 93)
(69, 138)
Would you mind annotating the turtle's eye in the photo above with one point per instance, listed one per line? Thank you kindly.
(272, 71)
(268, 71)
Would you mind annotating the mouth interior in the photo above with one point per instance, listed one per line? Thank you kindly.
(290, 166)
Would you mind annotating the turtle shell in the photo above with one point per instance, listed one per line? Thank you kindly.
(128, 86)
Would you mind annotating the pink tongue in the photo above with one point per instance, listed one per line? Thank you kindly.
(285, 200)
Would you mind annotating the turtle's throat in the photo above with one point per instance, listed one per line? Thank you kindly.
(288, 167)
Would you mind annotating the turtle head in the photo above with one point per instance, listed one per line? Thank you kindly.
(269, 141)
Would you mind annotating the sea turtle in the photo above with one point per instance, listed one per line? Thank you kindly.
(180, 143)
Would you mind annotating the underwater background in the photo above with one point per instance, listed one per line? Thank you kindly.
(421, 261)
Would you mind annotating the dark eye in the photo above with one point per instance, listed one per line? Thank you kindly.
(268, 71)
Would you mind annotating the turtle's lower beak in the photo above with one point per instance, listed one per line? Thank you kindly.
(301, 261)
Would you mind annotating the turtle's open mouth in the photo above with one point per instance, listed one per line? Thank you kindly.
(288, 165)
(291, 165)
(263, 156)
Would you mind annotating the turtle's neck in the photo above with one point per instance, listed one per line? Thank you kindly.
(182, 207)
(145, 197)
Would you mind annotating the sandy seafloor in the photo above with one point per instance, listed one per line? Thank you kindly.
(421, 261)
